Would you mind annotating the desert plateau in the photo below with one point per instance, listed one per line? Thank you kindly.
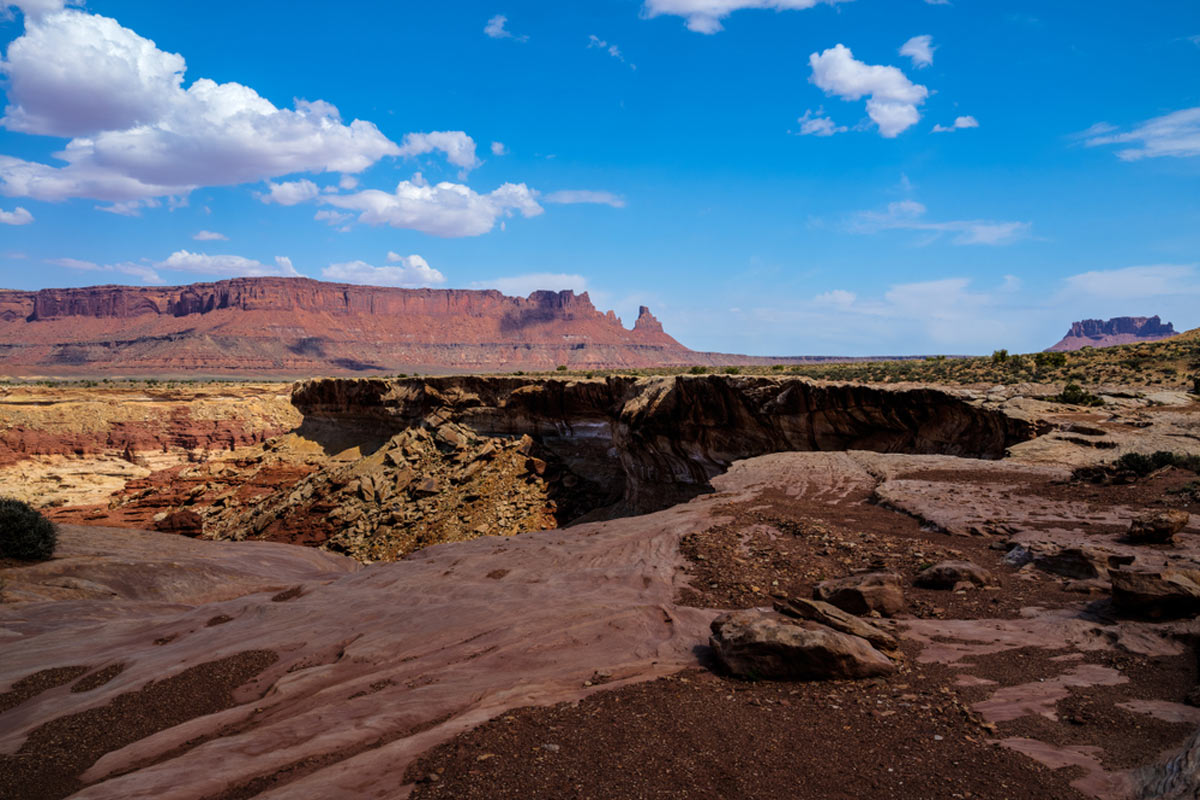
(633, 400)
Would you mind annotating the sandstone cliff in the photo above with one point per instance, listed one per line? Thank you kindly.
(1118, 330)
(298, 326)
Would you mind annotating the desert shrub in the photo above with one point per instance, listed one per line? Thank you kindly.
(697, 370)
(1142, 465)
(24, 533)
(733, 370)
(777, 368)
(1076, 395)
(1050, 360)
(999, 356)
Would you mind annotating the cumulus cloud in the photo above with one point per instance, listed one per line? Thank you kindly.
(959, 124)
(332, 217)
(210, 236)
(574, 196)
(290, 193)
(498, 149)
(18, 216)
(1176, 134)
(909, 215)
(496, 29)
(457, 146)
(136, 132)
(920, 50)
(704, 16)
(445, 209)
(614, 51)
(892, 99)
(406, 271)
(815, 123)
(524, 285)
(140, 271)
(228, 266)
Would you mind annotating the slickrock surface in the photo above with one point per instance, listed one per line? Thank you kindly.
(998, 687)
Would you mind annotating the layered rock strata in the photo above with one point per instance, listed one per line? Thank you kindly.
(1118, 330)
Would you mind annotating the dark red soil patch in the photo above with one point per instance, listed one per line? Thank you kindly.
(698, 735)
(49, 763)
(781, 545)
(98, 679)
(288, 594)
(33, 685)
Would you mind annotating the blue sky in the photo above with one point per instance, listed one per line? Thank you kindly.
(770, 176)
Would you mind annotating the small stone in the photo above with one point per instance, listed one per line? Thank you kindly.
(949, 574)
(863, 593)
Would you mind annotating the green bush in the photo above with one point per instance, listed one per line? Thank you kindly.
(999, 356)
(697, 370)
(561, 368)
(1142, 465)
(24, 533)
(733, 370)
(1075, 395)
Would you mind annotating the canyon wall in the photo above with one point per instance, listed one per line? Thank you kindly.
(298, 326)
(668, 435)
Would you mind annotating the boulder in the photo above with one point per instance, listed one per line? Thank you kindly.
(1158, 527)
(954, 575)
(1166, 593)
(863, 593)
(184, 522)
(763, 645)
(833, 617)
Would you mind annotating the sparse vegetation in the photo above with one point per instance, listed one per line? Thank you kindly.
(999, 356)
(733, 370)
(25, 534)
(1142, 465)
(561, 368)
(1074, 394)
(698, 370)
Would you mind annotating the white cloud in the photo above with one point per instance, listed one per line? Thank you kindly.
(408, 271)
(228, 266)
(290, 193)
(838, 298)
(959, 124)
(892, 99)
(332, 217)
(496, 29)
(347, 182)
(704, 16)
(140, 271)
(573, 196)
(446, 209)
(1132, 282)
(137, 133)
(614, 51)
(524, 285)
(498, 149)
(1176, 134)
(920, 50)
(458, 147)
(815, 123)
(909, 215)
(18, 216)
(210, 236)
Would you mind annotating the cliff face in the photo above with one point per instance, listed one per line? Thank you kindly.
(293, 326)
(670, 435)
(1118, 330)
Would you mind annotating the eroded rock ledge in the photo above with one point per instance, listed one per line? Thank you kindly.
(668, 436)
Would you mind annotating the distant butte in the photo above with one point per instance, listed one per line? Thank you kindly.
(1118, 330)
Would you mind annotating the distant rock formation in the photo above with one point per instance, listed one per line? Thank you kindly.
(1118, 330)
(299, 326)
